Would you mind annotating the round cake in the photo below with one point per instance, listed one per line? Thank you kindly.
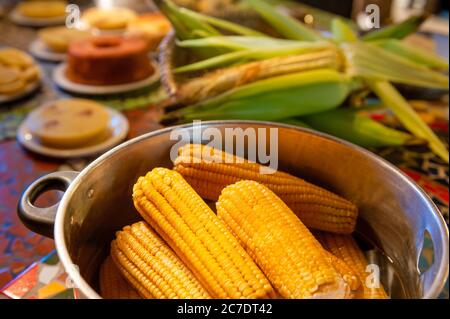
(108, 60)
(59, 38)
(152, 26)
(42, 9)
(108, 19)
(69, 123)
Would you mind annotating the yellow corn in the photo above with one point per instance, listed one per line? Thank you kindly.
(151, 267)
(112, 284)
(346, 248)
(209, 170)
(277, 240)
(170, 205)
(349, 276)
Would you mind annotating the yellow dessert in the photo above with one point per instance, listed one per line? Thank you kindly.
(59, 38)
(17, 70)
(151, 26)
(42, 9)
(15, 58)
(108, 19)
(70, 123)
(8, 75)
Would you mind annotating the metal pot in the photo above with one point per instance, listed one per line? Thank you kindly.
(395, 214)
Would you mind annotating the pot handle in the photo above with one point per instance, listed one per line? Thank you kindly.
(37, 219)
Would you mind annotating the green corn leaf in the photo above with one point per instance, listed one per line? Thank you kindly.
(407, 116)
(414, 54)
(342, 32)
(241, 57)
(354, 126)
(185, 21)
(296, 122)
(369, 61)
(396, 31)
(283, 24)
(245, 42)
(216, 61)
(223, 24)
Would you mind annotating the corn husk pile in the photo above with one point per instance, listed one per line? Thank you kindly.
(302, 77)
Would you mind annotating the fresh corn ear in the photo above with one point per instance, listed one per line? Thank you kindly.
(275, 98)
(241, 49)
(220, 81)
(209, 170)
(195, 233)
(151, 267)
(235, 43)
(346, 248)
(277, 240)
(112, 284)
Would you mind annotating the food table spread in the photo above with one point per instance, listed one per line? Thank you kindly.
(20, 247)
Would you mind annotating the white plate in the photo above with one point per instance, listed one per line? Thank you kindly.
(29, 88)
(22, 20)
(118, 126)
(60, 78)
(41, 51)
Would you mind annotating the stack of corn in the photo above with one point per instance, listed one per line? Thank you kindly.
(209, 171)
(255, 247)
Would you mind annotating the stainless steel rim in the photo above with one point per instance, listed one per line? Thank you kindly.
(87, 290)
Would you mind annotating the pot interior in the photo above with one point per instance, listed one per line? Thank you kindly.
(394, 214)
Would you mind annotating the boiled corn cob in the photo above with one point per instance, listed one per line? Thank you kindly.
(190, 227)
(277, 240)
(347, 273)
(151, 267)
(112, 284)
(346, 248)
(209, 170)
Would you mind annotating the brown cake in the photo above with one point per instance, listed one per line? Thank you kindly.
(108, 60)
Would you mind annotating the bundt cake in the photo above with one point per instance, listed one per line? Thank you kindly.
(108, 60)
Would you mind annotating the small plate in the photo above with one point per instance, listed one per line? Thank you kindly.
(29, 88)
(60, 78)
(118, 127)
(16, 17)
(41, 51)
